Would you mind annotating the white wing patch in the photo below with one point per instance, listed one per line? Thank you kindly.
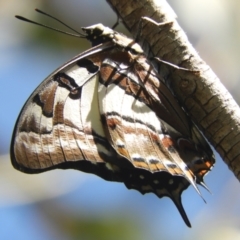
(79, 74)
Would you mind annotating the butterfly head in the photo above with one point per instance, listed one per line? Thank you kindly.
(98, 33)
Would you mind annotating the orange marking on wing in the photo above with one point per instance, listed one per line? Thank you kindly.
(113, 123)
(122, 151)
(202, 169)
(168, 142)
(141, 165)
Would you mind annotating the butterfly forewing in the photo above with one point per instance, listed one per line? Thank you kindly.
(107, 112)
(55, 125)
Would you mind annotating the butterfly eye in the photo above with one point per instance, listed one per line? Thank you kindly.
(92, 33)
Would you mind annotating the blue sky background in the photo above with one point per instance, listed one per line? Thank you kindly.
(34, 206)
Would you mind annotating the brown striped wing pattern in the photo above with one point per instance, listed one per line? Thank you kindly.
(108, 113)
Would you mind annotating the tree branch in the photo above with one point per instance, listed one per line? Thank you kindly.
(203, 96)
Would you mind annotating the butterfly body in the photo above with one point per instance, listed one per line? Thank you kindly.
(109, 113)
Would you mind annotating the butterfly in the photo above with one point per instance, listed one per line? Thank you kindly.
(108, 112)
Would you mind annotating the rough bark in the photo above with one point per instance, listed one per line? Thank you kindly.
(203, 96)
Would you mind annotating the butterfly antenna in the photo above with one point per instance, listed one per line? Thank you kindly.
(56, 19)
(79, 35)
